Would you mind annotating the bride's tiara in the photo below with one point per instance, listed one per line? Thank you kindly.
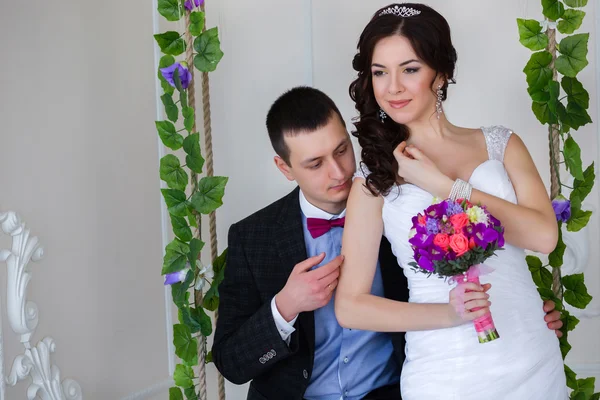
(400, 11)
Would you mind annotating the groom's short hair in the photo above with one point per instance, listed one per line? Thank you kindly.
(302, 109)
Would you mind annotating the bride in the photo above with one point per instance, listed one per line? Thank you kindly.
(411, 153)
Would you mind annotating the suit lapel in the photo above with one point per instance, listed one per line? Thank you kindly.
(292, 250)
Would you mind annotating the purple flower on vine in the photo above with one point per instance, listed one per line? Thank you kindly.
(562, 208)
(196, 3)
(185, 76)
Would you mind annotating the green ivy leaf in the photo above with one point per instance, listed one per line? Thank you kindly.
(553, 92)
(586, 386)
(165, 61)
(181, 229)
(553, 9)
(183, 376)
(170, 43)
(570, 22)
(208, 47)
(543, 114)
(189, 120)
(578, 220)
(196, 246)
(575, 116)
(575, 291)
(175, 257)
(209, 357)
(190, 393)
(539, 95)
(573, 56)
(219, 268)
(172, 173)
(565, 347)
(175, 393)
(572, 154)
(548, 294)
(569, 321)
(168, 134)
(193, 159)
(196, 23)
(571, 378)
(575, 91)
(203, 320)
(170, 108)
(210, 193)
(533, 262)
(180, 291)
(186, 319)
(530, 34)
(192, 219)
(581, 188)
(542, 277)
(170, 9)
(576, 3)
(210, 301)
(556, 257)
(186, 347)
(538, 71)
(176, 201)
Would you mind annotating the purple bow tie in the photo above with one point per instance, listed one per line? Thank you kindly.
(318, 227)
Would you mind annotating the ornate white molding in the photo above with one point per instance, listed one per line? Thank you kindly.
(35, 362)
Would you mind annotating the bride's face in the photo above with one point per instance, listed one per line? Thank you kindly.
(402, 83)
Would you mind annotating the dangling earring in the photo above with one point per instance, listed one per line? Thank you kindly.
(382, 115)
(438, 103)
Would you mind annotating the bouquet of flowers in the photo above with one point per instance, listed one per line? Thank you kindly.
(453, 239)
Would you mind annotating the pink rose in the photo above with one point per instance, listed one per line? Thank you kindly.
(459, 221)
(459, 243)
(442, 240)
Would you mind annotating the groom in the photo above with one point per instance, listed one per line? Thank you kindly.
(276, 324)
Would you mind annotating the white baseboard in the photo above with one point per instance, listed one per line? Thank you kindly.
(151, 390)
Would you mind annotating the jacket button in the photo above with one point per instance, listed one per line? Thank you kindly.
(305, 374)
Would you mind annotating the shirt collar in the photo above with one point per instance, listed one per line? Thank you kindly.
(311, 211)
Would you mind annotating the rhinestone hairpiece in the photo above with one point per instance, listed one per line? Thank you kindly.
(400, 11)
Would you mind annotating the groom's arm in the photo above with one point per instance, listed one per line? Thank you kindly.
(247, 342)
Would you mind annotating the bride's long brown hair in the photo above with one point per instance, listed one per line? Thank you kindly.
(429, 36)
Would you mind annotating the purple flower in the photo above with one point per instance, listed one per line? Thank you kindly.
(176, 277)
(425, 263)
(432, 226)
(484, 235)
(562, 208)
(453, 209)
(421, 241)
(188, 4)
(184, 74)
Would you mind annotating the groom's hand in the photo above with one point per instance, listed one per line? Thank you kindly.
(308, 290)
(552, 317)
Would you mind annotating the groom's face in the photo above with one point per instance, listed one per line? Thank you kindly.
(322, 163)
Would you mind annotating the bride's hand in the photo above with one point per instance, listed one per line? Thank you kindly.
(416, 168)
(469, 302)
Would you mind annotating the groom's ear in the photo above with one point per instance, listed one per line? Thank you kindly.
(284, 168)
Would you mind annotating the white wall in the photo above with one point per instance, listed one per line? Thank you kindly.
(79, 151)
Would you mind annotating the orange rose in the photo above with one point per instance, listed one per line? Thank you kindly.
(459, 221)
(472, 244)
(442, 240)
(459, 243)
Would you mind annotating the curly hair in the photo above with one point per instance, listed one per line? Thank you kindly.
(429, 35)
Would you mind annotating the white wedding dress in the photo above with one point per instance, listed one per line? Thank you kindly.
(525, 363)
